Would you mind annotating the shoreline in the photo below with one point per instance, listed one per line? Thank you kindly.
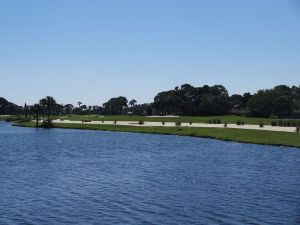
(262, 137)
(183, 124)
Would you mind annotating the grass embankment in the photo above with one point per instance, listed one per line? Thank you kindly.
(183, 119)
(2, 118)
(226, 134)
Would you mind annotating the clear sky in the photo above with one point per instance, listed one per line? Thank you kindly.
(92, 50)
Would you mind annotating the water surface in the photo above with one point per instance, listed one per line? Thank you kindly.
(91, 177)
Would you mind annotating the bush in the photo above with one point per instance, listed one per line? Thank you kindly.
(280, 123)
(238, 122)
(10, 119)
(25, 120)
(47, 124)
(163, 122)
(178, 123)
(191, 122)
(219, 121)
(261, 125)
(209, 122)
(141, 122)
(285, 123)
(273, 123)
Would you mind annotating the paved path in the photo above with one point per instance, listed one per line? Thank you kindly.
(172, 124)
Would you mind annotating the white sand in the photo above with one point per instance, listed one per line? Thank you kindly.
(166, 116)
(172, 124)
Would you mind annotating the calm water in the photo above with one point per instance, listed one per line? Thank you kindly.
(91, 177)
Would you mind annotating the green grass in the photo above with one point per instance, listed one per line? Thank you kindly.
(182, 119)
(239, 135)
(2, 118)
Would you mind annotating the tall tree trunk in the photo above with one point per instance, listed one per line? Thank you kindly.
(37, 119)
(48, 114)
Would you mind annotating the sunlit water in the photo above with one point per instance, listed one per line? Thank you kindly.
(93, 177)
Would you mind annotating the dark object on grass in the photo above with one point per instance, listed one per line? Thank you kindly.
(261, 125)
(225, 124)
(178, 123)
(47, 124)
(141, 122)
(273, 123)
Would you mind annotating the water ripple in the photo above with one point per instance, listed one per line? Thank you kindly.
(90, 177)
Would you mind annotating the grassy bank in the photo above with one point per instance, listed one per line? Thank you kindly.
(2, 118)
(239, 135)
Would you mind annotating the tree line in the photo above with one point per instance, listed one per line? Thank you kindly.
(279, 102)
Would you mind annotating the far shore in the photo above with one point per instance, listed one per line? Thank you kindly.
(254, 136)
(171, 124)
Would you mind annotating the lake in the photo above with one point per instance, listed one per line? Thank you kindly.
(62, 176)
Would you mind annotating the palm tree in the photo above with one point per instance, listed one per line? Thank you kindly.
(36, 108)
(132, 102)
(26, 111)
(48, 103)
(79, 104)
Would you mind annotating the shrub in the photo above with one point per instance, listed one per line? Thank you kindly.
(219, 121)
(10, 119)
(191, 122)
(178, 123)
(286, 123)
(141, 122)
(163, 122)
(47, 124)
(24, 120)
(209, 121)
(238, 122)
(273, 123)
(214, 121)
(261, 125)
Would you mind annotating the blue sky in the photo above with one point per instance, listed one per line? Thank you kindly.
(92, 50)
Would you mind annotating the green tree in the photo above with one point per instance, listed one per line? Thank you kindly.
(48, 104)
